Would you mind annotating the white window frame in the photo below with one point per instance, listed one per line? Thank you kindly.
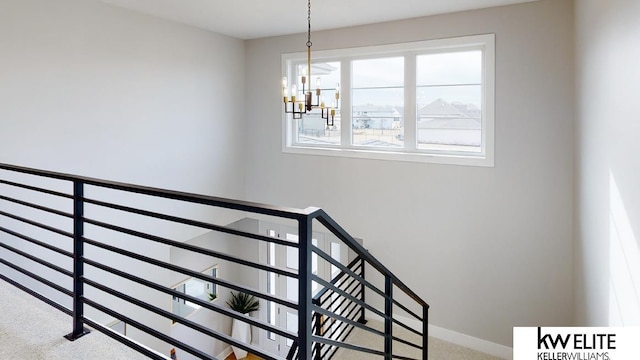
(215, 290)
(484, 42)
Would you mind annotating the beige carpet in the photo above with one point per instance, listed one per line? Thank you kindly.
(33, 330)
(438, 349)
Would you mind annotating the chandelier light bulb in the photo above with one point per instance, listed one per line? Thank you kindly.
(307, 102)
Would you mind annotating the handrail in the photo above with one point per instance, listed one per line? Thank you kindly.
(343, 235)
(323, 324)
(254, 207)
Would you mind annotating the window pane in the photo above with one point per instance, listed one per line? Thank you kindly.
(292, 258)
(335, 254)
(312, 129)
(367, 73)
(377, 99)
(377, 117)
(292, 325)
(292, 289)
(449, 68)
(449, 118)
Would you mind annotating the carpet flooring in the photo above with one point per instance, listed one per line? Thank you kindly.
(438, 349)
(33, 330)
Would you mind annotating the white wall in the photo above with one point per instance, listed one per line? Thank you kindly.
(96, 90)
(488, 248)
(607, 198)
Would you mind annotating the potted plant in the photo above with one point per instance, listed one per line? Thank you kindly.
(243, 303)
(240, 330)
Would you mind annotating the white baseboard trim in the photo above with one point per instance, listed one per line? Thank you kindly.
(484, 346)
(226, 352)
(471, 342)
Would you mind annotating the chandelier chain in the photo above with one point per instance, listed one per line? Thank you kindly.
(309, 23)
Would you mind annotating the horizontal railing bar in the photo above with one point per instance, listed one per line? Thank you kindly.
(191, 273)
(338, 277)
(124, 340)
(336, 326)
(333, 301)
(397, 303)
(37, 224)
(344, 294)
(328, 292)
(402, 357)
(352, 274)
(348, 308)
(279, 211)
(37, 277)
(346, 345)
(219, 309)
(335, 329)
(176, 318)
(155, 333)
(406, 342)
(37, 242)
(333, 349)
(37, 295)
(403, 325)
(38, 260)
(343, 235)
(292, 350)
(195, 223)
(348, 286)
(192, 248)
(344, 319)
(34, 188)
(38, 207)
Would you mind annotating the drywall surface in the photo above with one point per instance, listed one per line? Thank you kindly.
(100, 91)
(488, 248)
(91, 89)
(607, 198)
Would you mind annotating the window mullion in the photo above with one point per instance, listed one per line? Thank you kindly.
(410, 117)
(345, 103)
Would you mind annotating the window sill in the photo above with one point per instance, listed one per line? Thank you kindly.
(482, 160)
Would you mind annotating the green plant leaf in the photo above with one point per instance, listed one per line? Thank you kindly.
(243, 303)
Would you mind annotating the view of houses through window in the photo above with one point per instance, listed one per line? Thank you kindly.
(426, 98)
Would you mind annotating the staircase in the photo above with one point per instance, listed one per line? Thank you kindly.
(101, 252)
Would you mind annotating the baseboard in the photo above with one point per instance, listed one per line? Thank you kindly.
(474, 343)
(471, 342)
(226, 352)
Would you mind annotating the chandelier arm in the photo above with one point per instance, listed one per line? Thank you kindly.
(307, 104)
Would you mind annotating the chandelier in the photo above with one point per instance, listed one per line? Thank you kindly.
(298, 106)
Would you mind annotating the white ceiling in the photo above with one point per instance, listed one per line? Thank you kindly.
(249, 19)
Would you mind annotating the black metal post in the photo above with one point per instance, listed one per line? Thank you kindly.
(317, 330)
(425, 332)
(305, 330)
(363, 288)
(388, 312)
(78, 261)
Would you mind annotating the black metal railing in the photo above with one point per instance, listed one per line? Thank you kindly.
(332, 301)
(79, 240)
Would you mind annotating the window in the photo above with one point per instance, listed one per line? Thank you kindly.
(427, 101)
(201, 289)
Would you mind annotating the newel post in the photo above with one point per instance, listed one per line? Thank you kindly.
(305, 330)
(388, 317)
(425, 332)
(78, 262)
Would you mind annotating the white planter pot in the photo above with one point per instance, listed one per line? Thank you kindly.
(240, 331)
